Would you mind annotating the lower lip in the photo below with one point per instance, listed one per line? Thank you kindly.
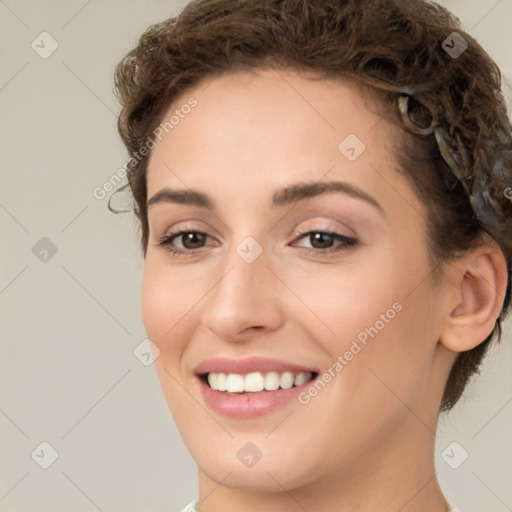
(249, 406)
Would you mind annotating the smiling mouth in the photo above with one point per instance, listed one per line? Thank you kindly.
(255, 382)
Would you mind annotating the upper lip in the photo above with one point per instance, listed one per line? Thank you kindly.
(246, 365)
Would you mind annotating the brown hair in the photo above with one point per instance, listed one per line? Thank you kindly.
(457, 151)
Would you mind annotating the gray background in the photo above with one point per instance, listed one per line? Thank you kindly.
(69, 325)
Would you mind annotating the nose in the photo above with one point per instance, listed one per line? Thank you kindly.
(245, 301)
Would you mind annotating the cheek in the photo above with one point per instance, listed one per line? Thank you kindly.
(379, 318)
(350, 303)
(166, 298)
(167, 312)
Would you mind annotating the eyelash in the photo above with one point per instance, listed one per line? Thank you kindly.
(346, 243)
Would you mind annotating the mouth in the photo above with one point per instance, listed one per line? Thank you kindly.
(252, 386)
(255, 382)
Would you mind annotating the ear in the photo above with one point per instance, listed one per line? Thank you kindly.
(479, 280)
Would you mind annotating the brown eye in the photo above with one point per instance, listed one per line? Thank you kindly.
(321, 240)
(324, 242)
(192, 239)
(189, 240)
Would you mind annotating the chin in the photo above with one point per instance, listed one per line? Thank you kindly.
(269, 474)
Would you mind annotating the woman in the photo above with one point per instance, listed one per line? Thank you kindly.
(323, 189)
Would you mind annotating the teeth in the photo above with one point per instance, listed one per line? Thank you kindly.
(235, 383)
(222, 382)
(286, 380)
(212, 380)
(301, 378)
(256, 382)
(272, 381)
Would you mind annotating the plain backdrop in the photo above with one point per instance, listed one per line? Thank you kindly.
(71, 274)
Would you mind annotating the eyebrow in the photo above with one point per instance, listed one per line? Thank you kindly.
(282, 197)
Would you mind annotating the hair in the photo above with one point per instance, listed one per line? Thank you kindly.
(456, 147)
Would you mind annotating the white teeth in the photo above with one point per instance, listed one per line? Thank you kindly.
(212, 380)
(256, 382)
(222, 382)
(272, 381)
(300, 378)
(235, 383)
(286, 380)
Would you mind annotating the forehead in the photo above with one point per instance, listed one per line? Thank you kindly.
(268, 127)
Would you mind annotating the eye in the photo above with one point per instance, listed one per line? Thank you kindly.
(322, 242)
(190, 241)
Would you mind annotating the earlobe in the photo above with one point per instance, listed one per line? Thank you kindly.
(480, 278)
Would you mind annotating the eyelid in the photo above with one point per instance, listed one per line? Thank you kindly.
(189, 225)
(326, 226)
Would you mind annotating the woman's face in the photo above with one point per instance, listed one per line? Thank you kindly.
(280, 278)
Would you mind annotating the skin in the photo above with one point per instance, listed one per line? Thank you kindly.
(366, 441)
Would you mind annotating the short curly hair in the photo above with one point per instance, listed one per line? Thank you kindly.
(444, 90)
